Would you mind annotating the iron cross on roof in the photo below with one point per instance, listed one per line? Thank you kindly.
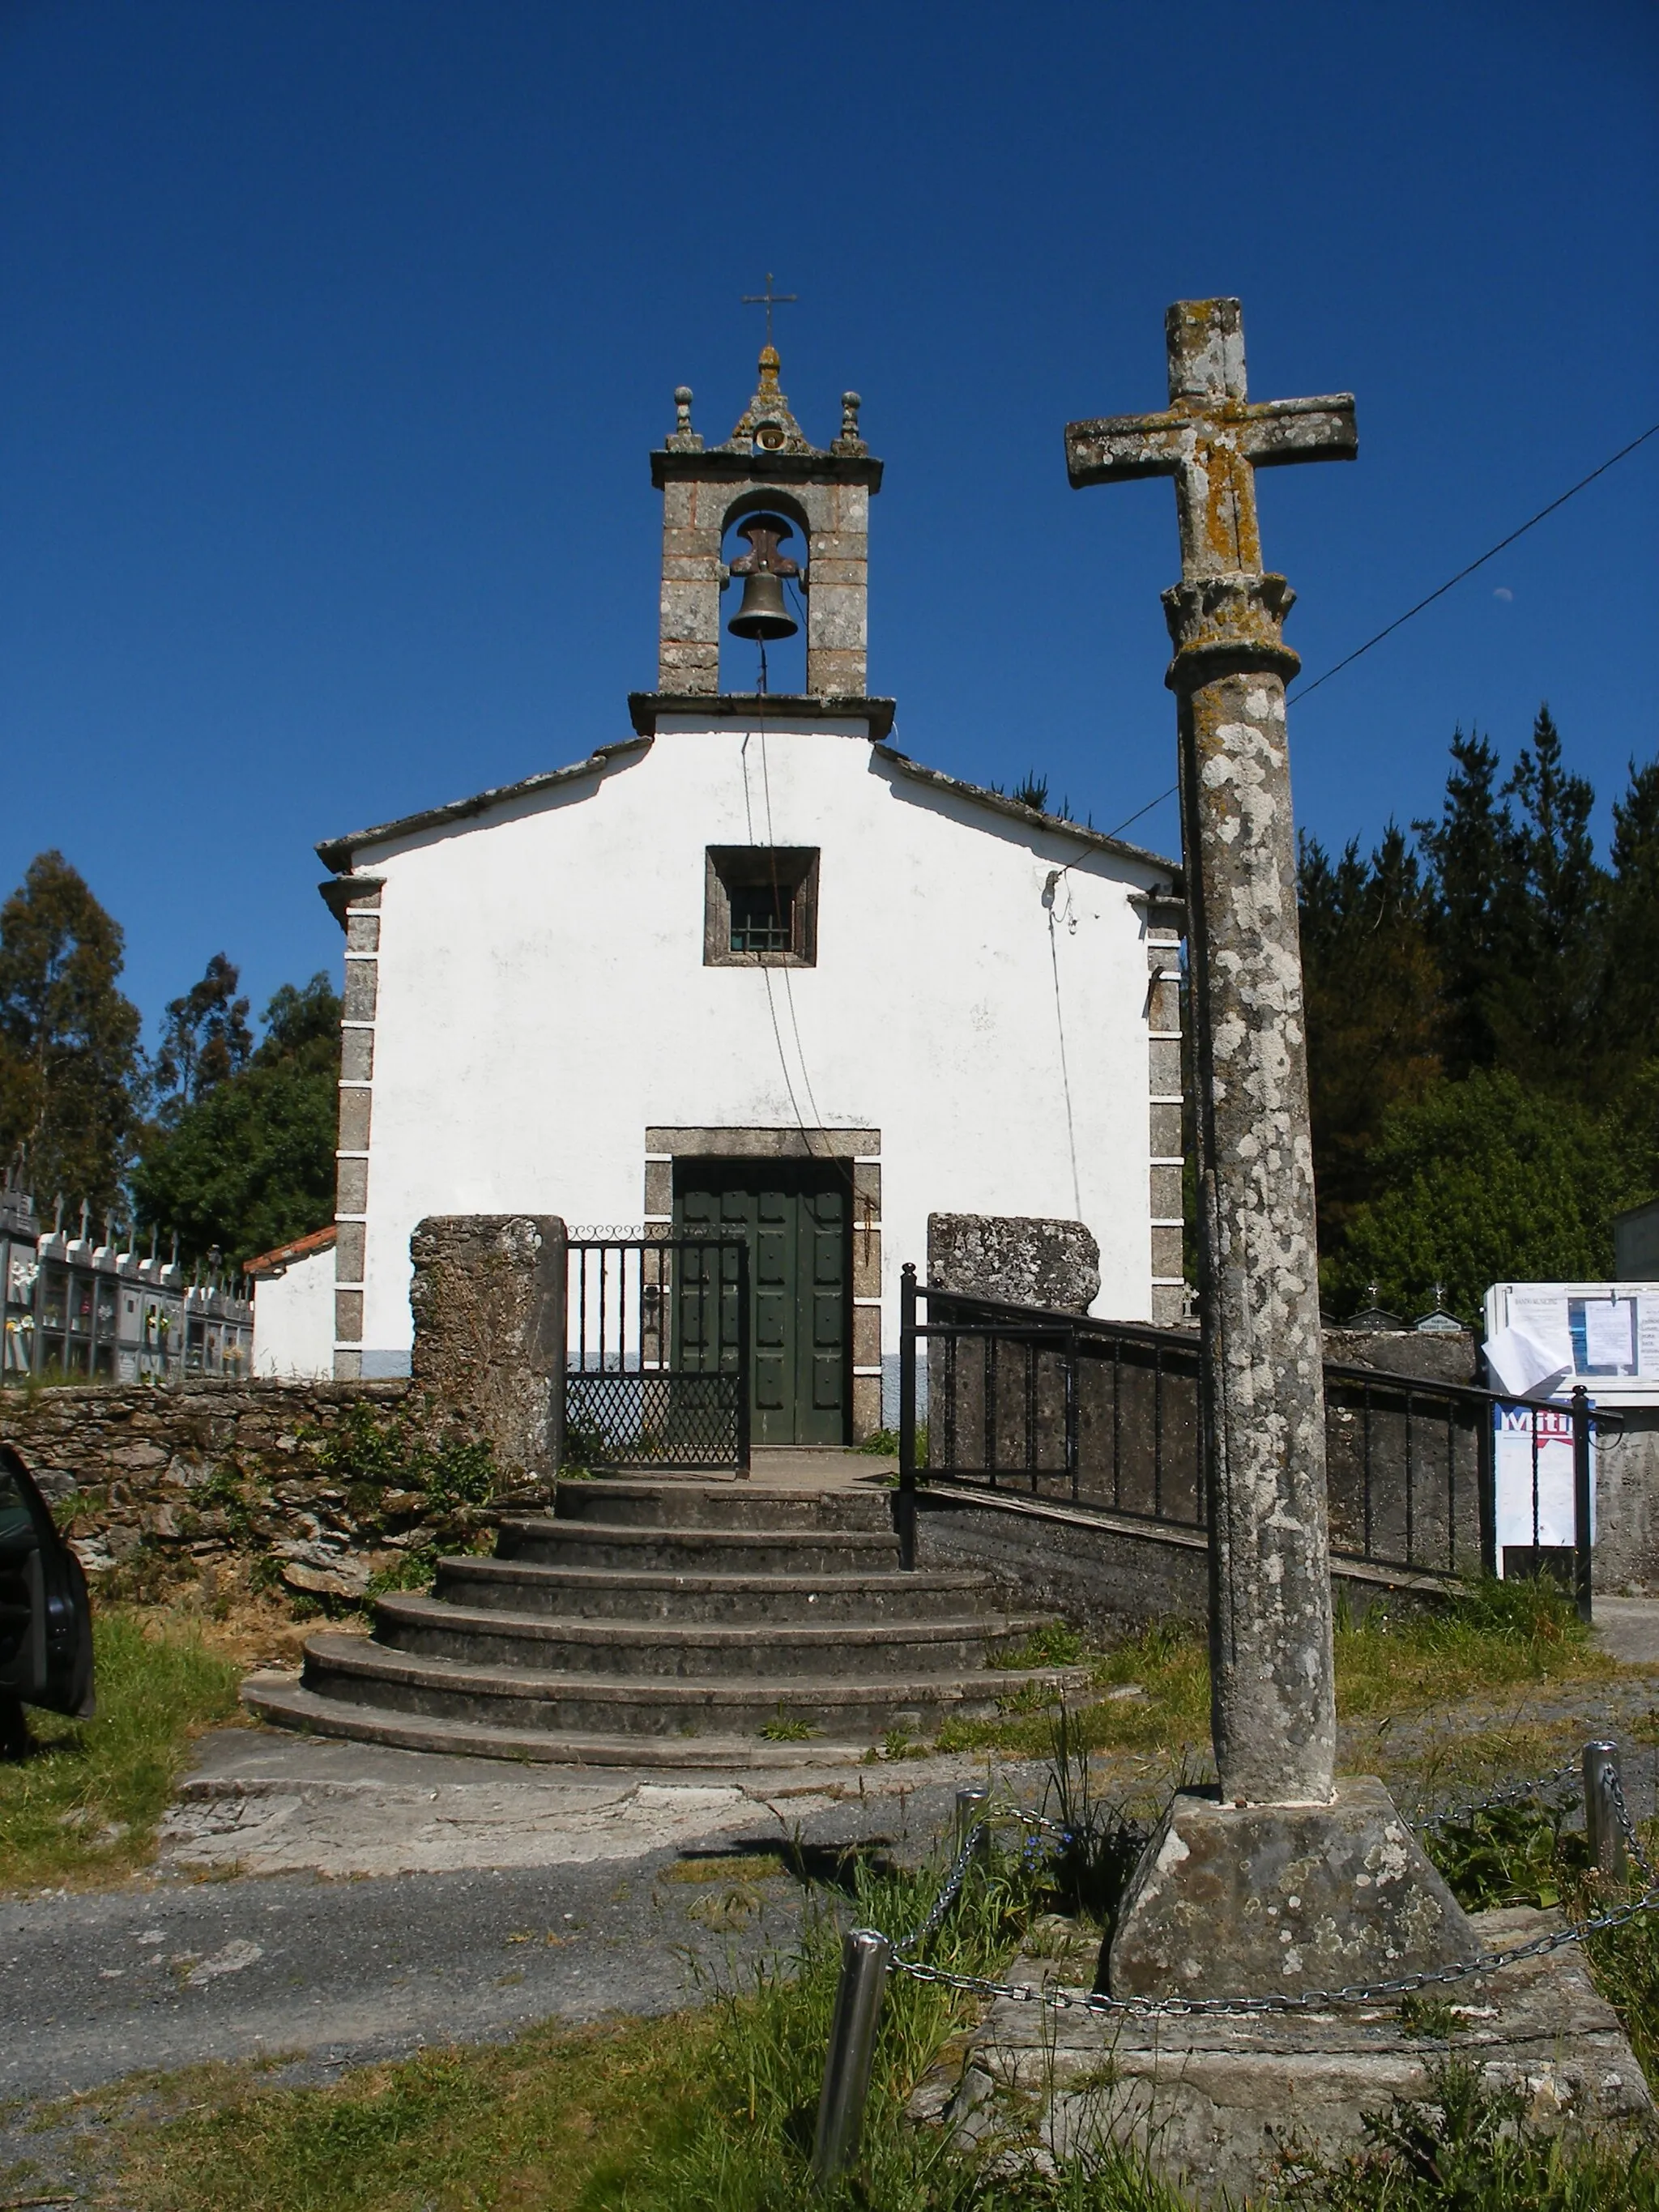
(1211, 440)
(769, 298)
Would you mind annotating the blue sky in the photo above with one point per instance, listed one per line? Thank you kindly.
(335, 339)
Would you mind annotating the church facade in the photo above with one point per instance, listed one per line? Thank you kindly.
(748, 961)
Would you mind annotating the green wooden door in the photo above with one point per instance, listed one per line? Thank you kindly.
(796, 1216)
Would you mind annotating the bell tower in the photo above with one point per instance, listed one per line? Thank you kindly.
(792, 498)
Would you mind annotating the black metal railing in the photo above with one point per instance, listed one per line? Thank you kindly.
(657, 1352)
(1104, 1416)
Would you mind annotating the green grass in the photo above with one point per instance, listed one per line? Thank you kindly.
(1492, 1639)
(713, 2111)
(706, 2113)
(83, 1808)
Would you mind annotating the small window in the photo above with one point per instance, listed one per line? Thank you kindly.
(761, 907)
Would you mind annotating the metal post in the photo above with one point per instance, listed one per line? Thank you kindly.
(972, 1806)
(743, 1385)
(907, 1489)
(865, 1957)
(1581, 1500)
(1601, 1822)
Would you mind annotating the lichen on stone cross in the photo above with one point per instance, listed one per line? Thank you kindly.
(1211, 438)
(1274, 1700)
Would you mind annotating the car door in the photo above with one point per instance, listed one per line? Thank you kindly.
(45, 1613)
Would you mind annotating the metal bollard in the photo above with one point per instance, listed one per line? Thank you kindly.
(1601, 1821)
(971, 1805)
(865, 1957)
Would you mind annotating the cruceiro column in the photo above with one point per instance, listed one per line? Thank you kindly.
(1272, 1698)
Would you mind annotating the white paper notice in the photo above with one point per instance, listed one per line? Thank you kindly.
(1542, 1315)
(1608, 1334)
(1647, 1338)
(1521, 1364)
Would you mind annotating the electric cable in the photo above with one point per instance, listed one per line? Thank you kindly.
(1491, 554)
(1306, 690)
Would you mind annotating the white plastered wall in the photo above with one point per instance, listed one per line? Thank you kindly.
(294, 1319)
(542, 999)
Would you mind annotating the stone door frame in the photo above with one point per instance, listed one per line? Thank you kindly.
(860, 1151)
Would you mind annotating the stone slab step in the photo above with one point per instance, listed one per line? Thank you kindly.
(682, 1502)
(582, 1593)
(697, 1551)
(432, 1628)
(352, 1669)
(284, 1702)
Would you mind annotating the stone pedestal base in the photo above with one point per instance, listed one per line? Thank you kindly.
(1253, 1900)
(1217, 2103)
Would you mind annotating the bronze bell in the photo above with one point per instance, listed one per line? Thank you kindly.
(762, 614)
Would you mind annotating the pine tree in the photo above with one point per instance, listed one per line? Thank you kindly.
(1475, 904)
(69, 1060)
(1630, 983)
(1484, 1181)
(1543, 1003)
(1372, 986)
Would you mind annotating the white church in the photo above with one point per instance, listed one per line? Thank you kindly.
(750, 960)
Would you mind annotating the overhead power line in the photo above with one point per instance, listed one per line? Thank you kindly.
(1492, 554)
(1439, 592)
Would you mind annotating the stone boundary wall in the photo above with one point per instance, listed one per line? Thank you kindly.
(330, 1482)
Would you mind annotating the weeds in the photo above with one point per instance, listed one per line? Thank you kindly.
(83, 1805)
(787, 1728)
(883, 1443)
(1468, 2145)
(1509, 1855)
(1526, 1855)
(375, 1454)
(412, 1569)
(1054, 1644)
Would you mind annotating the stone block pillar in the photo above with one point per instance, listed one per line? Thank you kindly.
(689, 642)
(837, 600)
(1024, 1258)
(488, 1300)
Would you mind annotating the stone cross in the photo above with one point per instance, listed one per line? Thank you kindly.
(1274, 1708)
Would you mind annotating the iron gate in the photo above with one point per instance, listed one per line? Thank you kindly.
(657, 1352)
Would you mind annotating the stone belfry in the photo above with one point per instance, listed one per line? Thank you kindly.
(766, 467)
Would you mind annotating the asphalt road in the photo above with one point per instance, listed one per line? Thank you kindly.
(181, 1969)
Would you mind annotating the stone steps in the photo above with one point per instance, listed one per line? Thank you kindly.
(686, 1504)
(284, 1702)
(435, 1628)
(670, 1623)
(351, 1668)
(584, 1592)
(698, 1551)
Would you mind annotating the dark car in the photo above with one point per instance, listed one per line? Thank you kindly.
(45, 1614)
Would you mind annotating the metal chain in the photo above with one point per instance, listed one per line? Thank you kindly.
(1062, 2000)
(964, 1858)
(1516, 1794)
(947, 1896)
(1632, 1839)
